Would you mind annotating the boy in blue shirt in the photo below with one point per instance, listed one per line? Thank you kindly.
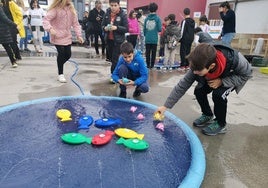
(131, 71)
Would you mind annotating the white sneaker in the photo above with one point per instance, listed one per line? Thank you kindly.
(61, 78)
(14, 65)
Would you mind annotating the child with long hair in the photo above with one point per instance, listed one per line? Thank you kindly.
(61, 17)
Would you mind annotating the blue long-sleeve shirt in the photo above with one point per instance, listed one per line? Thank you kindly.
(137, 67)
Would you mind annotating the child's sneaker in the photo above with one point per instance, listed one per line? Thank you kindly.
(214, 129)
(61, 78)
(202, 120)
(136, 93)
(14, 65)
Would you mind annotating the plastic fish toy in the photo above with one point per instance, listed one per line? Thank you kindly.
(75, 138)
(133, 108)
(103, 138)
(160, 126)
(107, 122)
(158, 116)
(64, 115)
(125, 80)
(85, 122)
(128, 133)
(133, 143)
(140, 116)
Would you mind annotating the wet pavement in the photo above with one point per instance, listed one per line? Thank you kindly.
(236, 159)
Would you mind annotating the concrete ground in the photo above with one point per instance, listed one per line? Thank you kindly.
(236, 159)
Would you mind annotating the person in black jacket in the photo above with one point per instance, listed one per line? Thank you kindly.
(13, 31)
(187, 38)
(115, 25)
(5, 35)
(96, 17)
(228, 18)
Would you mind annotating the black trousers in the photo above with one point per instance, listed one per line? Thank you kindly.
(219, 97)
(185, 49)
(96, 42)
(113, 49)
(10, 53)
(150, 54)
(64, 54)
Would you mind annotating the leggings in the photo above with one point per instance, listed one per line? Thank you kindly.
(64, 54)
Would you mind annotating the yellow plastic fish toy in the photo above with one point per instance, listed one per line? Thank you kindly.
(128, 133)
(64, 115)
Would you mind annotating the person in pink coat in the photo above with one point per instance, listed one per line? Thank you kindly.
(133, 28)
(60, 18)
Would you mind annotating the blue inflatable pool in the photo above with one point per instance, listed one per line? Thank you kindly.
(33, 154)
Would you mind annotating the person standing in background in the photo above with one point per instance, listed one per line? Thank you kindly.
(141, 42)
(203, 23)
(36, 14)
(84, 27)
(162, 42)
(23, 40)
(133, 28)
(5, 35)
(115, 26)
(187, 38)
(13, 12)
(96, 17)
(228, 18)
(172, 36)
(152, 25)
(61, 17)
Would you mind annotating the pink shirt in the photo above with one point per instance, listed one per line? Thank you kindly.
(62, 20)
(133, 26)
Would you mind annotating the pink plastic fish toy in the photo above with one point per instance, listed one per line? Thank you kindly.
(140, 116)
(160, 126)
(133, 108)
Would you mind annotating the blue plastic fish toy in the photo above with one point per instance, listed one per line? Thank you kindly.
(85, 122)
(107, 122)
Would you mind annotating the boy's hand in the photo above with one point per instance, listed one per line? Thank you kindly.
(129, 83)
(161, 110)
(215, 83)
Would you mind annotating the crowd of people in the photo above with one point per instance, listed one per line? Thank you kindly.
(130, 43)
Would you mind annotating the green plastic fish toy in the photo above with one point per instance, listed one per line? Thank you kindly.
(133, 143)
(75, 138)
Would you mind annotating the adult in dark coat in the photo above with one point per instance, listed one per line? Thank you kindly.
(13, 31)
(95, 18)
(5, 36)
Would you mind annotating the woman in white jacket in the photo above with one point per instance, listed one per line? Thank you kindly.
(36, 14)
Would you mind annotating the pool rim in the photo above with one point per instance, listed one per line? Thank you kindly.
(195, 173)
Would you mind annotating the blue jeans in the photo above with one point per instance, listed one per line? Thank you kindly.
(141, 43)
(227, 38)
(126, 73)
(24, 41)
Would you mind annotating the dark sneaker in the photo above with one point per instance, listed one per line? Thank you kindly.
(202, 120)
(27, 50)
(123, 94)
(214, 129)
(136, 93)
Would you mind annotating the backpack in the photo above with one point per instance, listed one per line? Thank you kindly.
(172, 42)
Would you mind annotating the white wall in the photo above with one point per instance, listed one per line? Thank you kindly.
(251, 16)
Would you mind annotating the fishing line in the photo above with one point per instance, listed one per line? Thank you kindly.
(75, 72)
